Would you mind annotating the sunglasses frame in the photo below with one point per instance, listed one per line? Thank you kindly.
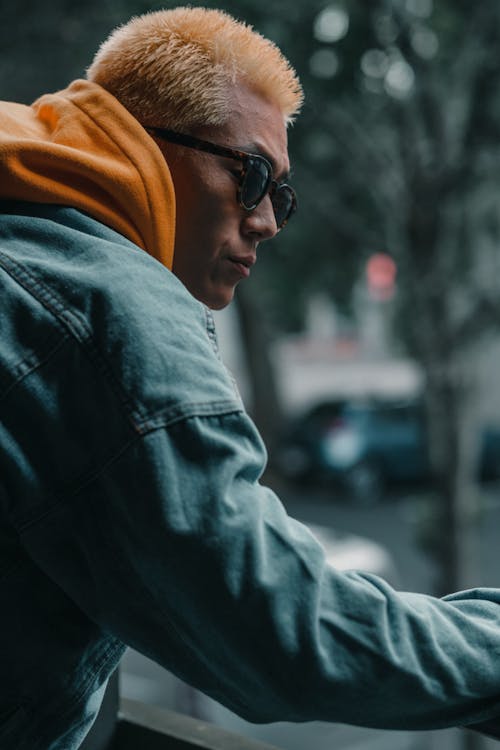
(272, 186)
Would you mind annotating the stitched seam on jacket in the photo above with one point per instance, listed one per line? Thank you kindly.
(211, 330)
(53, 502)
(34, 365)
(76, 327)
(182, 411)
(108, 654)
(141, 423)
(168, 620)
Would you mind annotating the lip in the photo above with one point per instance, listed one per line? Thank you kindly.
(243, 263)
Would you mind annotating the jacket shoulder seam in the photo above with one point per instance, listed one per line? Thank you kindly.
(76, 327)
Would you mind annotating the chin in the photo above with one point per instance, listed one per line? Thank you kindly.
(217, 300)
(214, 297)
(220, 304)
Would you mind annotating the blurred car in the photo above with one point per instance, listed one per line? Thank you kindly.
(367, 445)
(346, 551)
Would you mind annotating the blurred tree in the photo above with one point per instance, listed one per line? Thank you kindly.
(400, 143)
(395, 151)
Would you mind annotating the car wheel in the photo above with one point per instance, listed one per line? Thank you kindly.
(364, 483)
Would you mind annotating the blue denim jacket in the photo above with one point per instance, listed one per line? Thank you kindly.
(132, 513)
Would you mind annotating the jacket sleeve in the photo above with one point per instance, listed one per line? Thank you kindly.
(178, 550)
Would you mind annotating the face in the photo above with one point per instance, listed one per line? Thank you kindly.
(215, 239)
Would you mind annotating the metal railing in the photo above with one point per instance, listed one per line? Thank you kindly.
(132, 725)
(149, 728)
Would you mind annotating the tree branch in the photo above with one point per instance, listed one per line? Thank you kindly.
(484, 319)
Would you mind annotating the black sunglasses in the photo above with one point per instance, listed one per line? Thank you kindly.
(256, 178)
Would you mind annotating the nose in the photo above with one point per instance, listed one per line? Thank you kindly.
(260, 223)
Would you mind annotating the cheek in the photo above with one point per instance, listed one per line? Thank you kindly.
(208, 214)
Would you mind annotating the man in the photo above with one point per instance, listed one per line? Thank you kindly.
(131, 509)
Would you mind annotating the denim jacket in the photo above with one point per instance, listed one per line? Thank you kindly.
(132, 513)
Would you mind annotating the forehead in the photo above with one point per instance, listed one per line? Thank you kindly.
(255, 124)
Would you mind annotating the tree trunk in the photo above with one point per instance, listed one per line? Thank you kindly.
(454, 458)
(265, 404)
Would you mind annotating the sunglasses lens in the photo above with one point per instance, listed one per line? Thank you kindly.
(255, 182)
(255, 185)
(284, 204)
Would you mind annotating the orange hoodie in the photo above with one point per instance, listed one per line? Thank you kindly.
(80, 147)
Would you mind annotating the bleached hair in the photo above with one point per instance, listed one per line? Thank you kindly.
(174, 68)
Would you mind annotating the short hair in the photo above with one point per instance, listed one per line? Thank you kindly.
(173, 68)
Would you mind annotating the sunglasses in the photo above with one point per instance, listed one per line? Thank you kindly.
(255, 180)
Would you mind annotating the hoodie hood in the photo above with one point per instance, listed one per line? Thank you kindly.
(81, 148)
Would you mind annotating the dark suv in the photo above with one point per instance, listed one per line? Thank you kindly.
(367, 445)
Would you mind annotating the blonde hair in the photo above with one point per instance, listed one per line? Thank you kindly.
(174, 68)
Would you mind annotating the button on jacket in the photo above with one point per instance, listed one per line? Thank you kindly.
(131, 510)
